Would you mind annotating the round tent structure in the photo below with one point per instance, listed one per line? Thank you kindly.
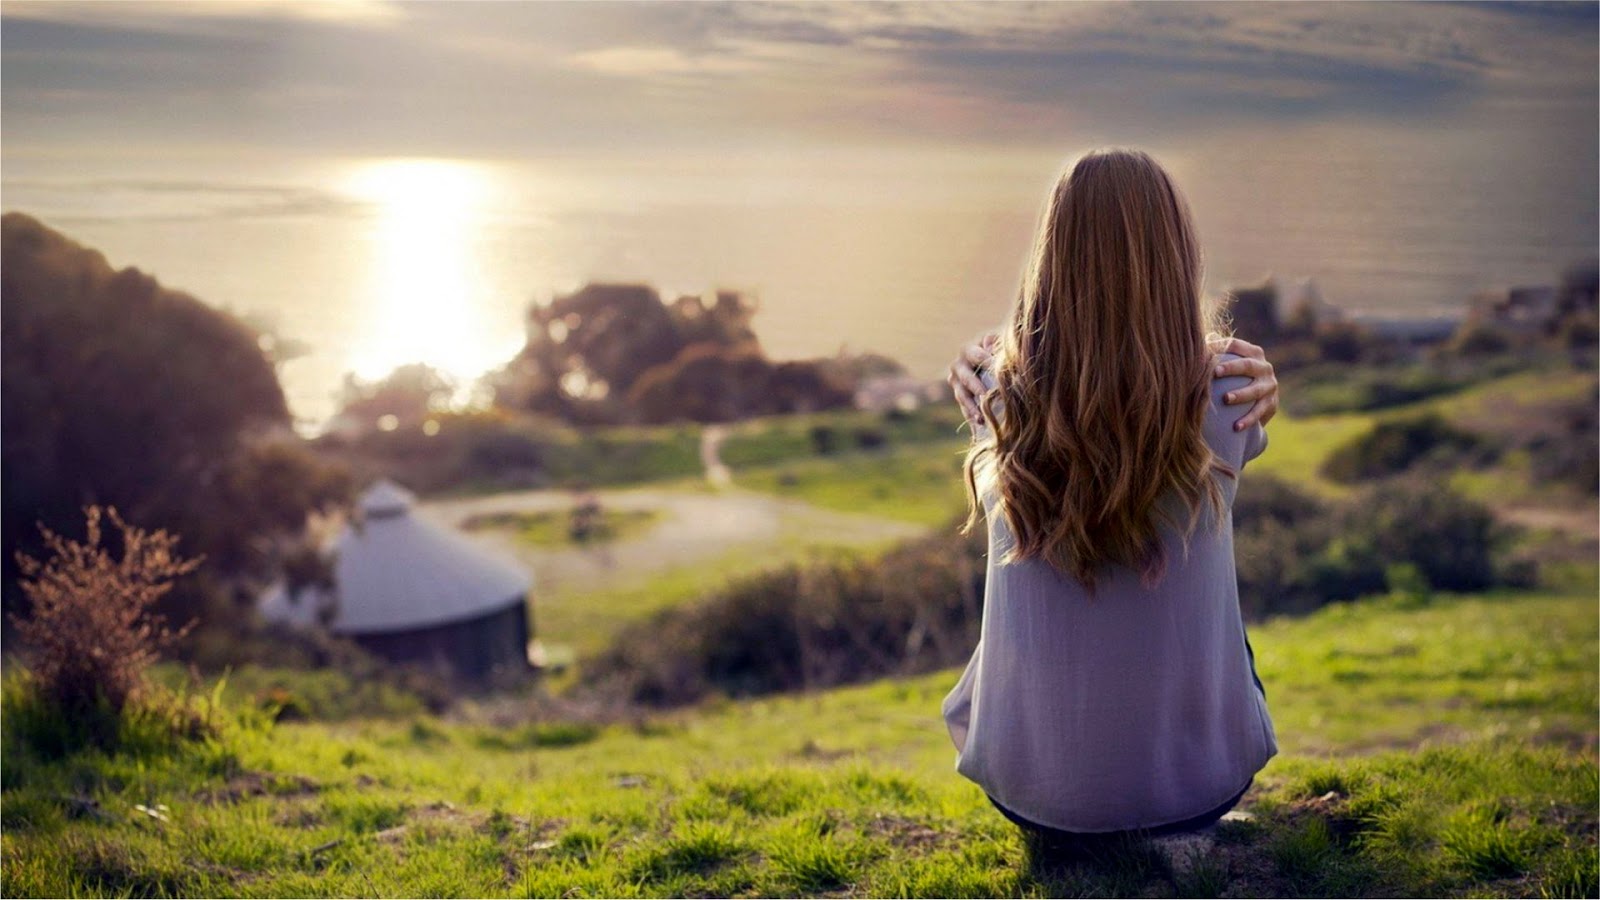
(415, 592)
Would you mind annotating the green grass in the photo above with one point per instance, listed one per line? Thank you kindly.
(585, 621)
(1297, 448)
(1387, 674)
(923, 483)
(776, 439)
(1446, 749)
(554, 529)
(920, 484)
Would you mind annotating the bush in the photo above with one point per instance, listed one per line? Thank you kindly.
(919, 607)
(1397, 445)
(1480, 340)
(1570, 453)
(824, 440)
(1323, 389)
(916, 609)
(1451, 539)
(90, 632)
(1294, 553)
(870, 438)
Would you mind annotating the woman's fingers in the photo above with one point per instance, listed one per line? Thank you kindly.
(1250, 393)
(1262, 391)
(1261, 412)
(1244, 348)
(1248, 367)
(964, 381)
(964, 397)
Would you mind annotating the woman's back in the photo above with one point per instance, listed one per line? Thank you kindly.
(1134, 708)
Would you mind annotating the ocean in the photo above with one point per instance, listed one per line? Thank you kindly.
(378, 261)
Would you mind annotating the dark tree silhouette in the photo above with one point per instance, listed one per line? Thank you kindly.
(117, 391)
(409, 393)
(615, 353)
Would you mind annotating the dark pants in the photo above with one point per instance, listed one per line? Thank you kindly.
(1086, 841)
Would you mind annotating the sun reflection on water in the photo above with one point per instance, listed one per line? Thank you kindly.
(426, 301)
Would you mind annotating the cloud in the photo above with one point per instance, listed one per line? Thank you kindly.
(516, 77)
(648, 61)
(204, 17)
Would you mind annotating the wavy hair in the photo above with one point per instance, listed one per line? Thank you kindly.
(1102, 379)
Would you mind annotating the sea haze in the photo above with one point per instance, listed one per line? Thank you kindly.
(375, 262)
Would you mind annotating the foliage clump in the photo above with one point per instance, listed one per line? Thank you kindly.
(118, 390)
(808, 626)
(91, 632)
(1395, 446)
(920, 607)
(1296, 553)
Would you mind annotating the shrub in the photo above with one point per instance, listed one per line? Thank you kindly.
(1570, 452)
(870, 438)
(1479, 340)
(919, 607)
(1294, 553)
(90, 627)
(1397, 445)
(1451, 539)
(90, 631)
(811, 625)
(824, 440)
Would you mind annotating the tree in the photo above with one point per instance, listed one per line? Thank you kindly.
(410, 393)
(616, 353)
(115, 390)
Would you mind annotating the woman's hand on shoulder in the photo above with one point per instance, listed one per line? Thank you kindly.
(1262, 391)
(963, 378)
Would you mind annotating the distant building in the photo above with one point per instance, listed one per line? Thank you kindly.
(414, 592)
(906, 393)
(1527, 309)
(1414, 333)
(1304, 298)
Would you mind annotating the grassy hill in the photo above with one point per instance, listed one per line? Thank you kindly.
(920, 482)
(1430, 746)
(853, 793)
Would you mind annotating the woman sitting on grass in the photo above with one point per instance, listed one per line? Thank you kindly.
(1113, 689)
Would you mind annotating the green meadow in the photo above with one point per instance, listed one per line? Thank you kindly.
(1428, 747)
(920, 481)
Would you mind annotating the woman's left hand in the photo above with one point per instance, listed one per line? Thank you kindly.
(1262, 390)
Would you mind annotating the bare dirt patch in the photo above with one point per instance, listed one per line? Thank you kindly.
(259, 784)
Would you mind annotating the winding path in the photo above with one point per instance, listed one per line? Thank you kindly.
(694, 525)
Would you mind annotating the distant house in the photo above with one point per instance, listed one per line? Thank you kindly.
(1526, 309)
(881, 393)
(415, 592)
(1414, 333)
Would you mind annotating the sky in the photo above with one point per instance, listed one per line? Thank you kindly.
(703, 79)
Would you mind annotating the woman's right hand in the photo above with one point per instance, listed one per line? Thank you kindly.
(963, 378)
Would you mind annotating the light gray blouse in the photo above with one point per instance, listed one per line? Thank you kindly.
(1136, 709)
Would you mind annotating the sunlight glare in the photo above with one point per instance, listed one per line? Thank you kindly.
(426, 302)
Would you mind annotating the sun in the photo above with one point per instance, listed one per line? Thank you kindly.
(425, 297)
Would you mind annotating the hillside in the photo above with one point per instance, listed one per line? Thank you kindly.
(916, 479)
(1429, 747)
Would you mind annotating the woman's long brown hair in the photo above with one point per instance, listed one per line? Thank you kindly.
(1103, 377)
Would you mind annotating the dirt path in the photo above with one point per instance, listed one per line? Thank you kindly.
(1580, 523)
(694, 525)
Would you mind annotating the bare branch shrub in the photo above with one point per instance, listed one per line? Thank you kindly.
(91, 632)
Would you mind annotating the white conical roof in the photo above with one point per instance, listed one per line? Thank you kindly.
(385, 498)
(397, 572)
